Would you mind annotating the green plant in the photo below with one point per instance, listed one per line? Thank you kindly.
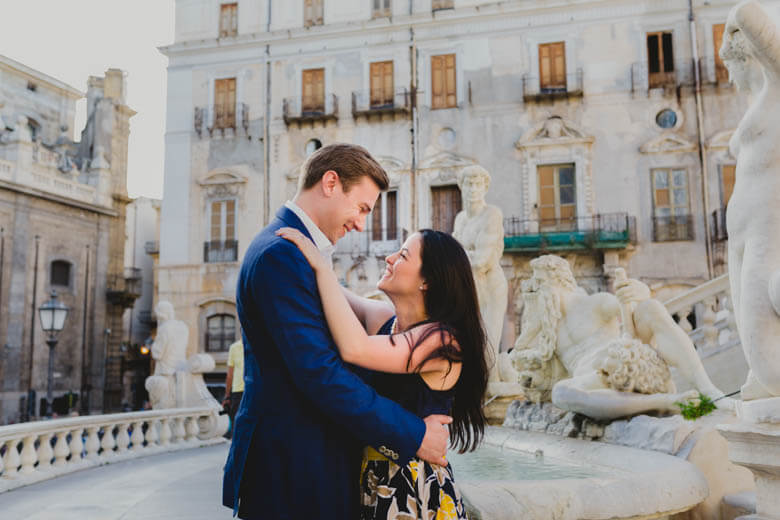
(697, 408)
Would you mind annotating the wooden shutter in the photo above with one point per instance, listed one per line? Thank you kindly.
(313, 95)
(721, 73)
(557, 196)
(727, 177)
(552, 65)
(547, 214)
(312, 12)
(446, 205)
(225, 103)
(660, 59)
(216, 221)
(382, 83)
(391, 224)
(376, 220)
(443, 86)
(228, 19)
(230, 220)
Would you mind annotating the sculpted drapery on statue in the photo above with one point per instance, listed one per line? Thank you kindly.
(480, 229)
(751, 52)
(571, 350)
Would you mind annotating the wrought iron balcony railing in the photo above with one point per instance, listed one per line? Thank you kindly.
(643, 79)
(298, 111)
(713, 71)
(372, 242)
(123, 289)
(718, 231)
(221, 118)
(220, 251)
(534, 89)
(365, 103)
(672, 228)
(601, 231)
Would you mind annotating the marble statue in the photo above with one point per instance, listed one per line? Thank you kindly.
(572, 350)
(177, 381)
(480, 229)
(751, 52)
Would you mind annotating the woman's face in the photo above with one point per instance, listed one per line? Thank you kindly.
(402, 270)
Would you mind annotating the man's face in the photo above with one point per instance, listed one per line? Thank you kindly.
(348, 211)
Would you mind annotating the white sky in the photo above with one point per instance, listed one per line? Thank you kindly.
(74, 39)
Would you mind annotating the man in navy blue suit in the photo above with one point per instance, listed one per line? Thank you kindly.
(305, 416)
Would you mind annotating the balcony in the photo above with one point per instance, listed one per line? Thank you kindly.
(295, 112)
(123, 289)
(718, 231)
(152, 247)
(713, 72)
(220, 251)
(642, 80)
(373, 242)
(364, 106)
(606, 231)
(673, 228)
(222, 118)
(534, 91)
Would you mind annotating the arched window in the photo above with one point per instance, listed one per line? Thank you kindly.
(220, 332)
(60, 273)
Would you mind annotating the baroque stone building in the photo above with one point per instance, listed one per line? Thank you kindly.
(62, 227)
(604, 125)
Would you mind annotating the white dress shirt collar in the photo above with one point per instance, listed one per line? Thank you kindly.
(322, 242)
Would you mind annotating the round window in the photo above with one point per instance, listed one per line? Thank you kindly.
(312, 146)
(666, 118)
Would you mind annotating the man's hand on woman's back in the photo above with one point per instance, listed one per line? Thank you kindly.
(434, 445)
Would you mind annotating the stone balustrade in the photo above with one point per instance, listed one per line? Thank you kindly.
(35, 451)
(715, 322)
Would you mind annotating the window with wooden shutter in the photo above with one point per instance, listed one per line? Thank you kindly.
(443, 92)
(380, 8)
(446, 204)
(222, 244)
(660, 59)
(721, 72)
(384, 225)
(382, 84)
(313, 95)
(671, 205)
(557, 197)
(228, 20)
(312, 12)
(727, 177)
(225, 103)
(552, 66)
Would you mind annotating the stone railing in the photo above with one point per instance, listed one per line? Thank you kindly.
(715, 322)
(36, 451)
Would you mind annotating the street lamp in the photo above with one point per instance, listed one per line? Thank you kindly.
(52, 313)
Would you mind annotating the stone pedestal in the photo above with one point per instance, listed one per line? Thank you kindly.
(757, 447)
(499, 396)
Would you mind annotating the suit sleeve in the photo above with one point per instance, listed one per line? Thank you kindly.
(285, 291)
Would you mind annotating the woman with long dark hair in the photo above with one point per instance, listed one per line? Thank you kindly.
(430, 347)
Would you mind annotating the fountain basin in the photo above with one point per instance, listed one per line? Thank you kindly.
(576, 480)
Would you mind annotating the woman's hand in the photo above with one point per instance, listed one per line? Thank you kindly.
(307, 247)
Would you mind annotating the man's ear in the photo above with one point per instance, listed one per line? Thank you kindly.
(330, 180)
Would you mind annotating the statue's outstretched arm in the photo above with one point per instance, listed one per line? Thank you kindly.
(760, 30)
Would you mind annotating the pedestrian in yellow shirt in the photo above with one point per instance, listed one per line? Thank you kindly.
(234, 384)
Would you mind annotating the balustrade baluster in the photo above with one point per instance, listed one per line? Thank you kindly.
(151, 433)
(93, 442)
(192, 429)
(138, 435)
(45, 453)
(108, 443)
(165, 432)
(122, 438)
(29, 456)
(11, 458)
(61, 449)
(178, 430)
(76, 445)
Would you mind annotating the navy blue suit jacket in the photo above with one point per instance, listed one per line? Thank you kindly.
(304, 416)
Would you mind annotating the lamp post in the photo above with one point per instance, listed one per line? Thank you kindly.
(52, 313)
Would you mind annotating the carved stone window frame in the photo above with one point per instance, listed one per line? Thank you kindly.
(226, 183)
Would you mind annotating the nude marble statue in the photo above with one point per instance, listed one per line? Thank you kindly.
(572, 350)
(480, 229)
(751, 52)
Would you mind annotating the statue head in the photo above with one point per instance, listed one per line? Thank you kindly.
(738, 56)
(164, 311)
(473, 182)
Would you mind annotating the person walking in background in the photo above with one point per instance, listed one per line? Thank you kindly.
(234, 384)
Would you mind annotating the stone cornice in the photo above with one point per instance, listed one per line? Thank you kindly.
(20, 68)
(18, 188)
